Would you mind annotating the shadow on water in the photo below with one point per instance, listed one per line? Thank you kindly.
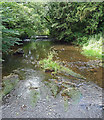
(50, 85)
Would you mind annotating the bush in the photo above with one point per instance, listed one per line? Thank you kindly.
(94, 46)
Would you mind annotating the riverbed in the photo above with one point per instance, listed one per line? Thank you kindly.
(59, 96)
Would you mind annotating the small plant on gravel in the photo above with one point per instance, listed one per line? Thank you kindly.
(49, 65)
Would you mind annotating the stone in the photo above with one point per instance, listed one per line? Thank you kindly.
(49, 70)
(9, 82)
(19, 52)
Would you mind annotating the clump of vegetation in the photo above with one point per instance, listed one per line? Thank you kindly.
(94, 46)
(48, 64)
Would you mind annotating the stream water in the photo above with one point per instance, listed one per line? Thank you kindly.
(57, 95)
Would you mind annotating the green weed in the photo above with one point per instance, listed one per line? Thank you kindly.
(49, 64)
(94, 46)
(53, 66)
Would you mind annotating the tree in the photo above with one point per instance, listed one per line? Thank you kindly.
(20, 21)
(72, 20)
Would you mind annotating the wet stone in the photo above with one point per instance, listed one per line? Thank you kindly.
(19, 52)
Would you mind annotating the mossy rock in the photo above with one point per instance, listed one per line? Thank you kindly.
(8, 83)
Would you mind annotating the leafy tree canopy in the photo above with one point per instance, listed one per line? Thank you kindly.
(70, 20)
(20, 21)
(66, 21)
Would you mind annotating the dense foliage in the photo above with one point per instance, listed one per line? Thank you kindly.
(20, 21)
(66, 21)
(75, 21)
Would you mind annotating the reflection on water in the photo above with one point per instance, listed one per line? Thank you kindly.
(33, 51)
(36, 50)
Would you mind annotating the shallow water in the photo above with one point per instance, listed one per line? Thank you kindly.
(69, 55)
(33, 51)
(89, 67)
(37, 90)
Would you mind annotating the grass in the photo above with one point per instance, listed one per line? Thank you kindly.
(48, 64)
(94, 46)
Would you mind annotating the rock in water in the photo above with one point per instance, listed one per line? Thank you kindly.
(19, 52)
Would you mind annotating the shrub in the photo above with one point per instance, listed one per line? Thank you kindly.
(94, 46)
